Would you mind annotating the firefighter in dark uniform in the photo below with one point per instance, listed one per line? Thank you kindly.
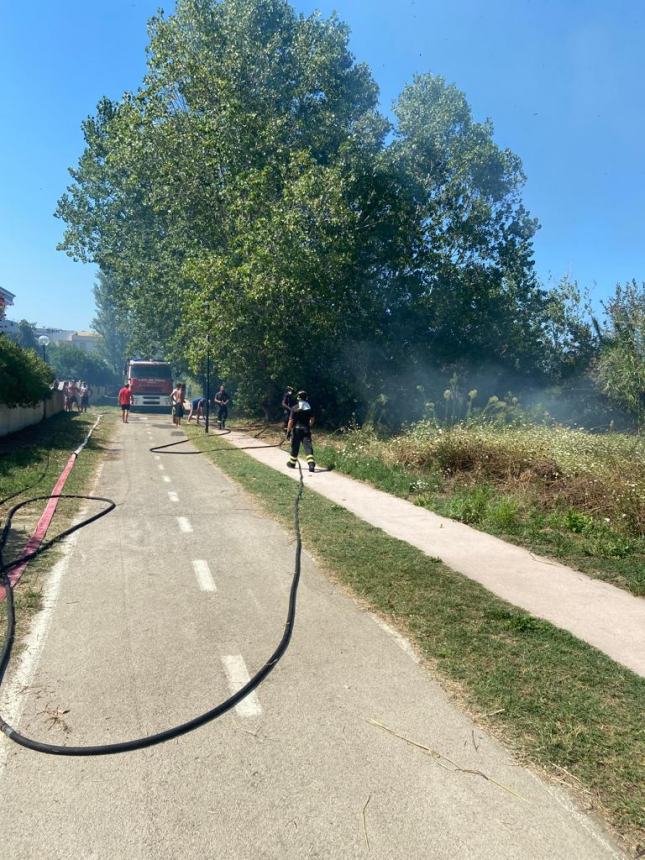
(288, 402)
(300, 423)
(222, 401)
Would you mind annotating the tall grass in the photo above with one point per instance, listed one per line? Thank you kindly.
(600, 475)
(560, 492)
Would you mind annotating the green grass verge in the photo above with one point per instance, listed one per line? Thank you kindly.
(514, 511)
(570, 535)
(31, 461)
(558, 702)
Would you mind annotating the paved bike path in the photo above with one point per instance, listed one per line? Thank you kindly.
(600, 614)
(158, 609)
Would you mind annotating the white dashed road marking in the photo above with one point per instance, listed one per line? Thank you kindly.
(172, 495)
(161, 467)
(203, 574)
(238, 676)
(166, 478)
(157, 457)
(184, 525)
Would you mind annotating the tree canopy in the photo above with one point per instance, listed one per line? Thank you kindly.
(250, 189)
(26, 337)
(620, 367)
(111, 323)
(70, 362)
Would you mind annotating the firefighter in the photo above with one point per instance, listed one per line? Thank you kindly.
(288, 402)
(222, 401)
(300, 423)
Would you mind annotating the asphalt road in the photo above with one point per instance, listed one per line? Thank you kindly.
(155, 614)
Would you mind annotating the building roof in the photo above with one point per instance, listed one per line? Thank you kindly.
(6, 296)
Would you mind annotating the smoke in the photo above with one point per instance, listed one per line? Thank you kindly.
(390, 395)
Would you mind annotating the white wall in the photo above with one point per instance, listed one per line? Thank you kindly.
(16, 418)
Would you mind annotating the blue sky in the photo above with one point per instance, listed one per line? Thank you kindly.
(562, 82)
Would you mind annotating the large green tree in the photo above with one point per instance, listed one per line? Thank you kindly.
(232, 193)
(569, 332)
(620, 368)
(111, 323)
(250, 190)
(479, 295)
(70, 362)
(26, 335)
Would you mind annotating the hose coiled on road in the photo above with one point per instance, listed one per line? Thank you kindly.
(174, 731)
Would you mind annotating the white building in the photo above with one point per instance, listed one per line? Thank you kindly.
(6, 300)
(88, 341)
(55, 335)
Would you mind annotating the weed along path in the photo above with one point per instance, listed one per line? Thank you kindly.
(348, 749)
(596, 612)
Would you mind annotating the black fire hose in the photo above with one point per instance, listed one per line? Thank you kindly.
(162, 449)
(182, 728)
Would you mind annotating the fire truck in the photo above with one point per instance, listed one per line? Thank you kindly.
(150, 382)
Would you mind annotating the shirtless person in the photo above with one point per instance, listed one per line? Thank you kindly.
(177, 399)
(73, 395)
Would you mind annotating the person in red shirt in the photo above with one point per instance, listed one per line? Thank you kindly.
(125, 401)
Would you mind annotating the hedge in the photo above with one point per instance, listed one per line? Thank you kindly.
(24, 378)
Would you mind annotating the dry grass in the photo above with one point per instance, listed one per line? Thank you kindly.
(601, 475)
(561, 493)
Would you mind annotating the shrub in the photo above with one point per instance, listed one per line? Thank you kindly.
(505, 514)
(578, 522)
(24, 378)
(472, 507)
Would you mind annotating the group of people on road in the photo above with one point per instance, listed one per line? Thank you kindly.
(178, 404)
(198, 405)
(76, 393)
(298, 416)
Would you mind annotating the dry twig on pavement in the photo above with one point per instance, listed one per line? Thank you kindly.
(440, 759)
(367, 839)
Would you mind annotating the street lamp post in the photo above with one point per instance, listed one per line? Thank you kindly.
(208, 380)
(43, 340)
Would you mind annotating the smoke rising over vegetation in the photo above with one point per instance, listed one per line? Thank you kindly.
(251, 190)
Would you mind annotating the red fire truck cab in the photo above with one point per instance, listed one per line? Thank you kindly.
(150, 382)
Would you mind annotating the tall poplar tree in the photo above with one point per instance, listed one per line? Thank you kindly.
(251, 190)
(111, 323)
